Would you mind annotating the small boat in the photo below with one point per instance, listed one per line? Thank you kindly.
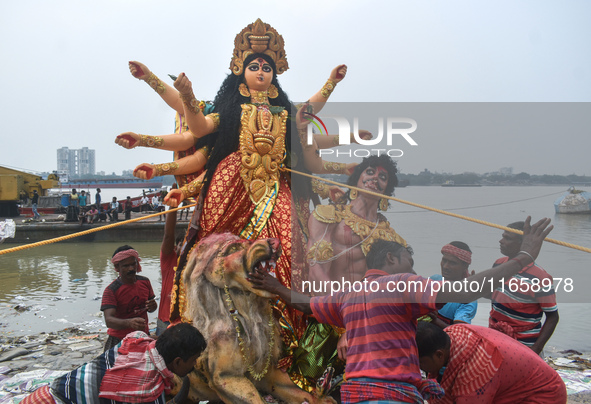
(116, 182)
(451, 183)
(573, 201)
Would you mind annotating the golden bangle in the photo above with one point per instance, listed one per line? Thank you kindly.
(328, 88)
(165, 169)
(191, 102)
(151, 141)
(331, 167)
(192, 188)
(156, 84)
(215, 117)
(320, 188)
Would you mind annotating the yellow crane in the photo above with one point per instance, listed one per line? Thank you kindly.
(14, 185)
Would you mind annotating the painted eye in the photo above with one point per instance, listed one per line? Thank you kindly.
(267, 69)
(253, 67)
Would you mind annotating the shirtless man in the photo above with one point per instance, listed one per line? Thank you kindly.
(341, 235)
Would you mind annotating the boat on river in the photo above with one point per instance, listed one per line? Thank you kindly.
(115, 182)
(573, 201)
(451, 183)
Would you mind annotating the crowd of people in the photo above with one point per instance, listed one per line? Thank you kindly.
(228, 156)
(87, 212)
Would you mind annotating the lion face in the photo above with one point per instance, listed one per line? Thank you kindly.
(233, 259)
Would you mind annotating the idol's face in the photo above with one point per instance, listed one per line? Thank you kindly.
(373, 179)
(258, 75)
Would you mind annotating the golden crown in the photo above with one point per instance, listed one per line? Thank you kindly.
(258, 37)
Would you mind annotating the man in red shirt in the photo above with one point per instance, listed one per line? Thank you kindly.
(128, 299)
(485, 366)
(527, 296)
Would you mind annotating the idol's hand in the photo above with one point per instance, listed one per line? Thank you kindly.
(139, 70)
(363, 134)
(183, 84)
(335, 193)
(129, 140)
(338, 73)
(174, 198)
(350, 168)
(301, 121)
(144, 171)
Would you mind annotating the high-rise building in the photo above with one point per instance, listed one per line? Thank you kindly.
(76, 161)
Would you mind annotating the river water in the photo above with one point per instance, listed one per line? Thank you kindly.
(60, 285)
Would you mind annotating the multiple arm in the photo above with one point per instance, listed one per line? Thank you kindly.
(186, 165)
(168, 94)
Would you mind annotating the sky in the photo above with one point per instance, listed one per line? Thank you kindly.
(66, 82)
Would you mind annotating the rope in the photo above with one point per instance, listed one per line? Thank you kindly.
(94, 230)
(489, 224)
(485, 206)
(497, 226)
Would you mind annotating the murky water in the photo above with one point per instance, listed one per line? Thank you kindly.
(61, 284)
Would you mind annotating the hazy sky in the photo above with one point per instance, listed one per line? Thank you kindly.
(66, 81)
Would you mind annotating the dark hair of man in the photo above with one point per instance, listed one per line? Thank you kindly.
(461, 245)
(122, 248)
(179, 238)
(376, 257)
(375, 162)
(228, 103)
(517, 226)
(430, 338)
(180, 341)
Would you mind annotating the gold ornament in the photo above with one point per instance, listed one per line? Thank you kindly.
(320, 251)
(243, 90)
(368, 230)
(353, 194)
(192, 188)
(383, 205)
(272, 91)
(332, 167)
(262, 145)
(191, 102)
(151, 141)
(328, 88)
(156, 84)
(165, 169)
(215, 117)
(258, 37)
(259, 97)
(320, 188)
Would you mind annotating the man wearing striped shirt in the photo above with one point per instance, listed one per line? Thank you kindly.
(529, 295)
(380, 316)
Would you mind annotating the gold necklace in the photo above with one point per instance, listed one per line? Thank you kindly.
(368, 231)
(240, 330)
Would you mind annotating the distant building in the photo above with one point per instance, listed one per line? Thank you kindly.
(76, 161)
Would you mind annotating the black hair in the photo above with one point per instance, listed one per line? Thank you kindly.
(179, 238)
(122, 248)
(227, 103)
(377, 161)
(461, 245)
(180, 341)
(430, 338)
(517, 226)
(376, 257)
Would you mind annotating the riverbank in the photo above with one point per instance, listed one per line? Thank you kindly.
(29, 362)
(51, 226)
